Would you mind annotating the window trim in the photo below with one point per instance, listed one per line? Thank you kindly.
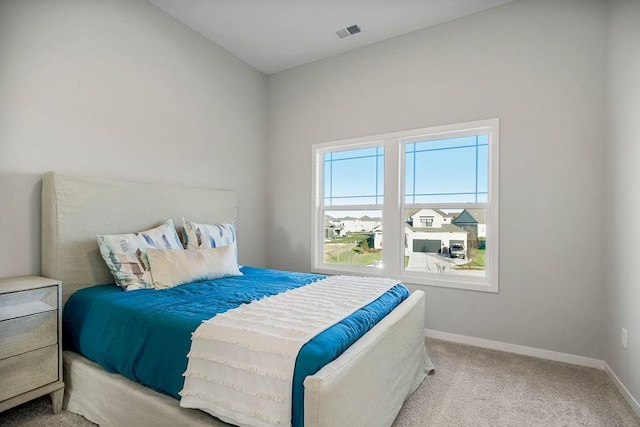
(394, 204)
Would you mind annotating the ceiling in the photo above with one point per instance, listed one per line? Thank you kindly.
(274, 35)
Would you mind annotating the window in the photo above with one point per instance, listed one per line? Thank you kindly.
(426, 221)
(431, 195)
(352, 200)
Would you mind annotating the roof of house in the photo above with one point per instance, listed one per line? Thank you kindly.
(479, 214)
(445, 214)
(446, 228)
(412, 212)
(471, 216)
(435, 211)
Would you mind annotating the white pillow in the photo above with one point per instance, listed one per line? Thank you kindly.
(126, 254)
(170, 267)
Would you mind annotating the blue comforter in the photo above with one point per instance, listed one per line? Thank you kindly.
(145, 335)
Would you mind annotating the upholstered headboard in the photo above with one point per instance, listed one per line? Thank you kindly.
(76, 209)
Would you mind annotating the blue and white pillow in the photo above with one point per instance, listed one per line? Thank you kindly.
(126, 254)
(204, 236)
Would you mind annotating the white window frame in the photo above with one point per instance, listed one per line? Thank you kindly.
(394, 205)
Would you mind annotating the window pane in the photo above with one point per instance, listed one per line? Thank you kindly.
(452, 170)
(354, 177)
(449, 241)
(483, 169)
(353, 238)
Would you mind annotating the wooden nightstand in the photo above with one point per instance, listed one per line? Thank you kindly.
(30, 341)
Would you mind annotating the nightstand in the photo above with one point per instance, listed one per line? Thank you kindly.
(30, 341)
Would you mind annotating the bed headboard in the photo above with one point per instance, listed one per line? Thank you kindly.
(76, 209)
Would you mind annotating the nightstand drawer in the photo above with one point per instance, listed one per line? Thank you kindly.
(28, 333)
(28, 371)
(24, 303)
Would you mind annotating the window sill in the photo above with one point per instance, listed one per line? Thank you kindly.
(465, 283)
(469, 284)
(351, 270)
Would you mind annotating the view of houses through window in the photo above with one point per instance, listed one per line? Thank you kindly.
(354, 238)
(451, 240)
(445, 194)
(442, 203)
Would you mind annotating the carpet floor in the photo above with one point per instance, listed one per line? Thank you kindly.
(471, 387)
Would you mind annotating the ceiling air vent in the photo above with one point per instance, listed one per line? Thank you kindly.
(349, 31)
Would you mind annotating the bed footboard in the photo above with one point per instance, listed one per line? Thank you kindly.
(379, 372)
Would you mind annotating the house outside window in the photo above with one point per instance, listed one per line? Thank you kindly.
(431, 195)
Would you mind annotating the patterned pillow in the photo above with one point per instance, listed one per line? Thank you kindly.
(203, 236)
(126, 254)
(171, 267)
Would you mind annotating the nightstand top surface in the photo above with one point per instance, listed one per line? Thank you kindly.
(23, 283)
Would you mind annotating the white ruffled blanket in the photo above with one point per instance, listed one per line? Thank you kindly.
(241, 362)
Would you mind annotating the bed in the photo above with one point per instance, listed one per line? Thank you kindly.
(379, 371)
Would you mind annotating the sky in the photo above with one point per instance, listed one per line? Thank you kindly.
(434, 170)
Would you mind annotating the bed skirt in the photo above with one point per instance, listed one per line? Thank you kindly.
(112, 400)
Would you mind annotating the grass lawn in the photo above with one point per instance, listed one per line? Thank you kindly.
(478, 258)
(477, 261)
(344, 253)
(351, 238)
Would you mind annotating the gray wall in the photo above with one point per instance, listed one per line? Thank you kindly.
(622, 291)
(538, 65)
(120, 89)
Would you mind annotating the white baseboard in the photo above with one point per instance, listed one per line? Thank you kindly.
(517, 349)
(622, 389)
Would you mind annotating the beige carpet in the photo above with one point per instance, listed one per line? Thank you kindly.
(479, 387)
(471, 387)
